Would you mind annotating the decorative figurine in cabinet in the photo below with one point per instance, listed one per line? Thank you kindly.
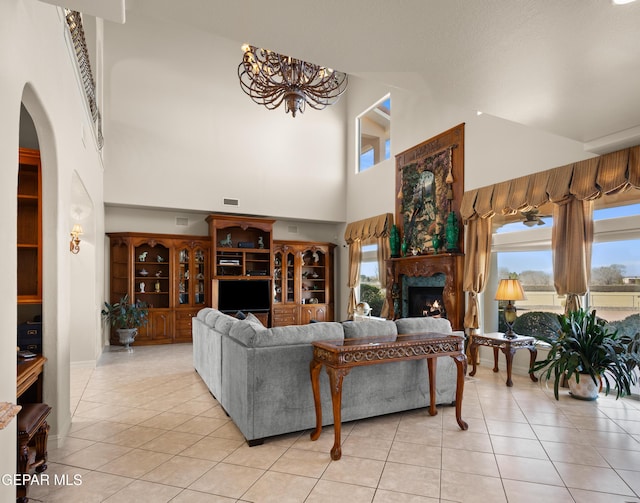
(168, 272)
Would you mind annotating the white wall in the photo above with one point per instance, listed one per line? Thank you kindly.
(163, 221)
(86, 290)
(36, 56)
(182, 134)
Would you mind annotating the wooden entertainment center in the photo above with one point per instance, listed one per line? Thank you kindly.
(242, 252)
(237, 267)
(299, 273)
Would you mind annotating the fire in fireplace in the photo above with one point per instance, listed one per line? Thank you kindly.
(426, 301)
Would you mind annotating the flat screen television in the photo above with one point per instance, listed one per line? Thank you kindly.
(244, 295)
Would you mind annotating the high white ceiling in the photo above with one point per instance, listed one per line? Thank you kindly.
(569, 67)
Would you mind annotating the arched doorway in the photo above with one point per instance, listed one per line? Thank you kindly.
(55, 338)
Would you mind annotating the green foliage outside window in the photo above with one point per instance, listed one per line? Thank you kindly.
(373, 296)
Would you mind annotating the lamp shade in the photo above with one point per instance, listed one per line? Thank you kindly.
(510, 289)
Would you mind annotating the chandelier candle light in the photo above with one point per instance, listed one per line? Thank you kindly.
(510, 290)
(270, 79)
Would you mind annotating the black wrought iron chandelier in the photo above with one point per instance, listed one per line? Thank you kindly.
(270, 79)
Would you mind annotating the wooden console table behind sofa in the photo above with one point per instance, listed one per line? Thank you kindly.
(340, 356)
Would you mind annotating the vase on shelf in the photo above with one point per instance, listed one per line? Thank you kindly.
(436, 241)
(405, 248)
(394, 241)
(452, 230)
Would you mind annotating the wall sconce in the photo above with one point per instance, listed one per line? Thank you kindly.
(74, 245)
(510, 290)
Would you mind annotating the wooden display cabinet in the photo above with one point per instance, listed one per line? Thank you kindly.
(241, 250)
(152, 271)
(168, 272)
(29, 239)
(303, 282)
(241, 247)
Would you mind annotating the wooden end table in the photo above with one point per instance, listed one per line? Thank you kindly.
(497, 340)
(340, 356)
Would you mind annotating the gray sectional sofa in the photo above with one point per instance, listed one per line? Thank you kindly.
(260, 376)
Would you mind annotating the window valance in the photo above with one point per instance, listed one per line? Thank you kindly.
(585, 180)
(369, 228)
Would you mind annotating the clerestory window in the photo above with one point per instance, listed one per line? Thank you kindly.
(373, 131)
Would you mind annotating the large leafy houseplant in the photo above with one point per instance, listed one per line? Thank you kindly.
(586, 347)
(126, 317)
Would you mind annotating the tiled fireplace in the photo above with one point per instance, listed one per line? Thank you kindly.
(423, 297)
(427, 285)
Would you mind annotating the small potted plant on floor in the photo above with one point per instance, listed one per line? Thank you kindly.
(126, 317)
(591, 355)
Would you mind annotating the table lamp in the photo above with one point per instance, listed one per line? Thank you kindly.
(510, 290)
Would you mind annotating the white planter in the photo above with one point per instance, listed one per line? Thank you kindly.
(127, 336)
(586, 389)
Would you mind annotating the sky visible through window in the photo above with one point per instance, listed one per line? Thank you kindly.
(369, 268)
(604, 254)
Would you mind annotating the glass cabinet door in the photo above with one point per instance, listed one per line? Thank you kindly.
(184, 275)
(290, 287)
(278, 277)
(199, 282)
(191, 275)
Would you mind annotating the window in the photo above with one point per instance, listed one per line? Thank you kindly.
(374, 135)
(614, 289)
(370, 279)
(534, 269)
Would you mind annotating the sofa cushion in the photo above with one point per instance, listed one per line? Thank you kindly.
(368, 328)
(423, 324)
(254, 335)
(202, 314)
(224, 322)
(246, 332)
(211, 317)
(254, 319)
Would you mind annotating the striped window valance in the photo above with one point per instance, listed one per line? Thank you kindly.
(585, 180)
(369, 228)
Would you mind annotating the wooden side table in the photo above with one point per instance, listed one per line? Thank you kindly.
(340, 356)
(497, 340)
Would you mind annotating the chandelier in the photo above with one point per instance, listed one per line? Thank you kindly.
(270, 78)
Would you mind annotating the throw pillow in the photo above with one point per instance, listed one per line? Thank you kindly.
(359, 329)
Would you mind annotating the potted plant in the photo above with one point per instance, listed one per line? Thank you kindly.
(590, 354)
(126, 317)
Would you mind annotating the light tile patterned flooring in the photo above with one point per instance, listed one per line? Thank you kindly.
(146, 429)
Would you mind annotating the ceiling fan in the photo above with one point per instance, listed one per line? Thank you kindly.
(533, 217)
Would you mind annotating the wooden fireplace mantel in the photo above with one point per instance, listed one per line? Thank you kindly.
(449, 264)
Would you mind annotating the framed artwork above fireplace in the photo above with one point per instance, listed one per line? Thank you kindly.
(429, 184)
